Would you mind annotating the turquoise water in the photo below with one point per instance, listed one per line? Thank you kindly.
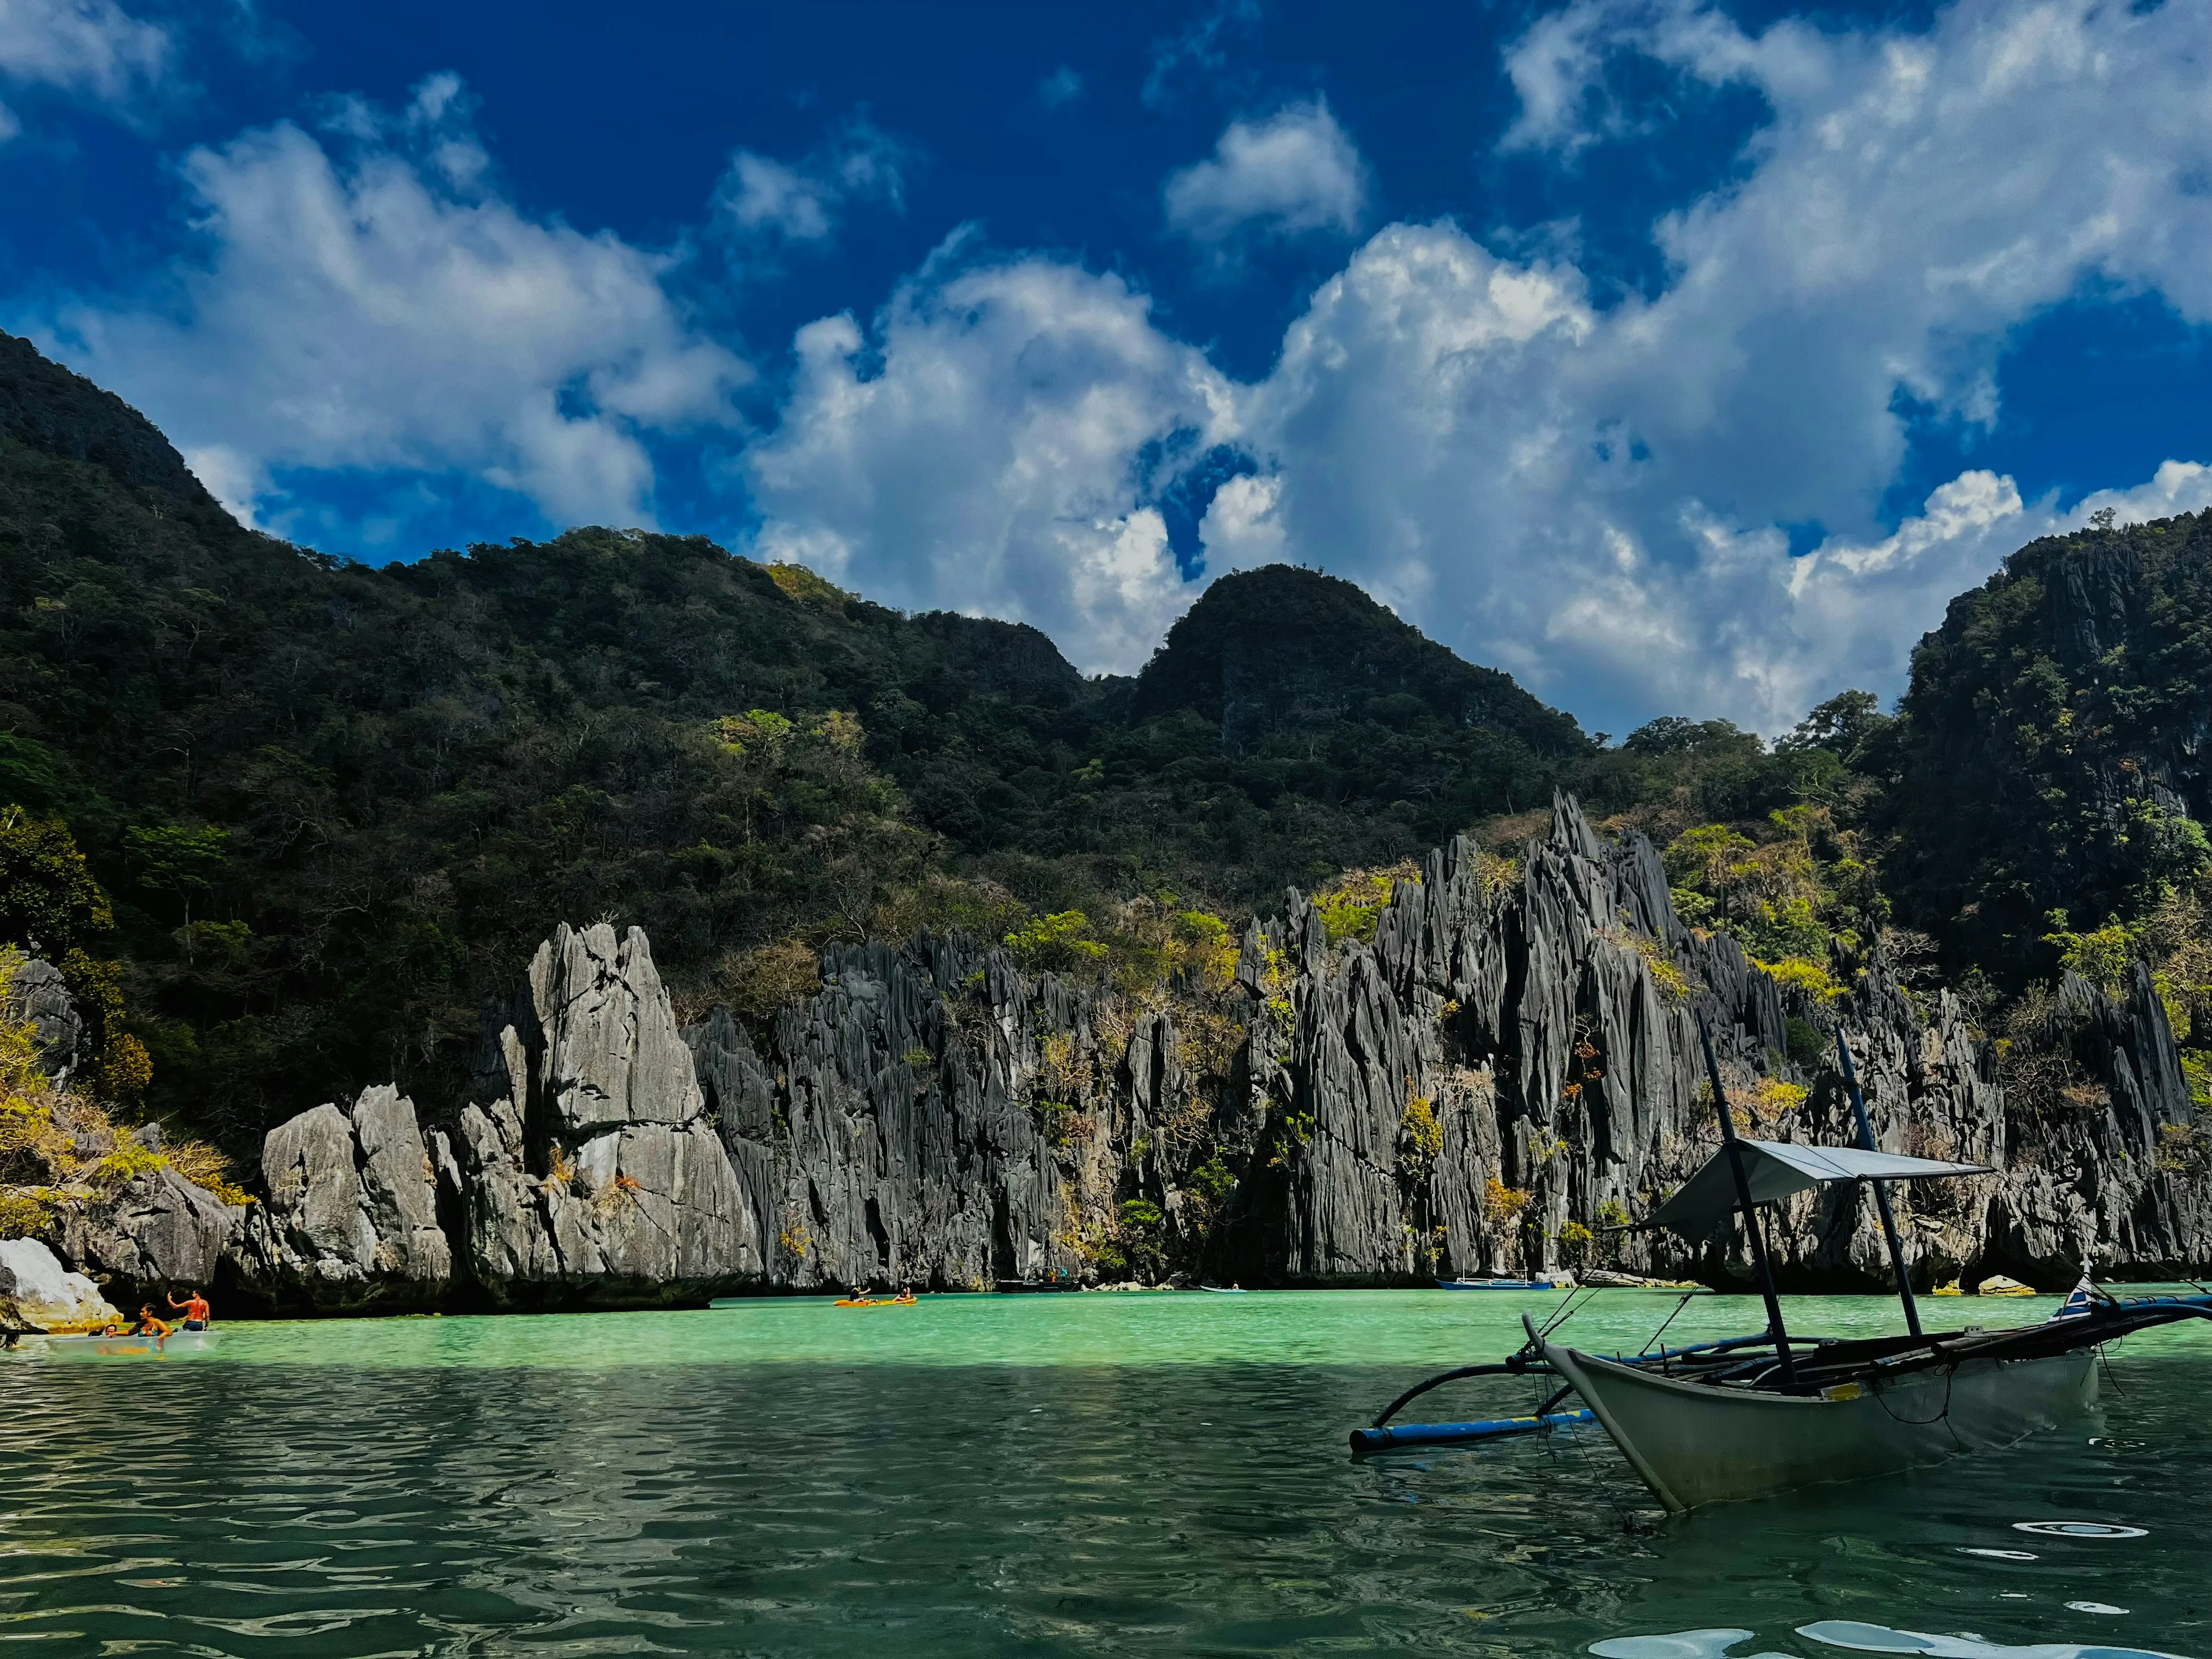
(989, 1475)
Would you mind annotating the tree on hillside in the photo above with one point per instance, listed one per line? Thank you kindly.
(49, 902)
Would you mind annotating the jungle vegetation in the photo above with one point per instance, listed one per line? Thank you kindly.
(283, 819)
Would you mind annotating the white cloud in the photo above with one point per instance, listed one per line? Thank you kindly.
(1295, 172)
(985, 460)
(762, 193)
(1588, 491)
(90, 47)
(802, 202)
(369, 303)
(1240, 530)
(1593, 497)
(1590, 495)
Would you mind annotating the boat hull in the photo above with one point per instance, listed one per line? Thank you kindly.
(109, 1347)
(1694, 1444)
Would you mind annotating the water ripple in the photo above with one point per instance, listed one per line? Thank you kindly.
(805, 1508)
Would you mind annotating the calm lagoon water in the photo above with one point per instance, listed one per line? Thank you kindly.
(998, 1475)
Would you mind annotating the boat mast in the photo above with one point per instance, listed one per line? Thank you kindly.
(1880, 1188)
(1774, 1327)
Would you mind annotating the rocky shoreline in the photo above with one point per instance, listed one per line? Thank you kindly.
(1509, 1067)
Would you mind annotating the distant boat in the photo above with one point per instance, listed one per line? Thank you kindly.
(1031, 1286)
(1225, 1290)
(1496, 1285)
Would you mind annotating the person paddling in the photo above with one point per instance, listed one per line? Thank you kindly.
(195, 1309)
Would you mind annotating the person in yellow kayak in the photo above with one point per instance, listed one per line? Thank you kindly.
(195, 1309)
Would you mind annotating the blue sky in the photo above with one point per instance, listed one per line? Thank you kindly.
(1676, 358)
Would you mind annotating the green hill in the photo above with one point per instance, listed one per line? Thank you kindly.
(2050, 769)
(331, 806)
(286, 820)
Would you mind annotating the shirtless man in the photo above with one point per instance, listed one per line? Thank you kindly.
(195, 1309)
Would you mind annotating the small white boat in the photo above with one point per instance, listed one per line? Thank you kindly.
(1765, 1413)
(1694, 1442)
(1497, 1284)
(1225, 1290)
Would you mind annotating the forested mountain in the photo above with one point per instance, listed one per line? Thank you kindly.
(285, 820)
(323, 807)
(2052, 769)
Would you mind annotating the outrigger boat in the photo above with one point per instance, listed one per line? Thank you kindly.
(1752, 1415)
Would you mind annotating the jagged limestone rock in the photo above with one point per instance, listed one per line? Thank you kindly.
(352, 1217)
(37, 996)
(158, 1231)
(612, 1053)
(586, 1169)
(903, 1146)
(2121, 1189)
(1513, 1059)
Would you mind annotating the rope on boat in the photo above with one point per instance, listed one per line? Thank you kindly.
(1950, 1377)
(1570, 1307)
(2105, 1360)
(1669, 1320)
(1590, 1467)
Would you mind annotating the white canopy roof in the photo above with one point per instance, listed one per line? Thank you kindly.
(1776, 1169)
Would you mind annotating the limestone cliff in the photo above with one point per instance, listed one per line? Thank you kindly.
(1514, 1059)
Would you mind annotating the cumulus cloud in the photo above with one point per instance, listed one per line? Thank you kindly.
(802, 202)
(91, 48)
(1294, 171)
(366, 301)
(977, 449)
(1594, 498)
(1592, 493)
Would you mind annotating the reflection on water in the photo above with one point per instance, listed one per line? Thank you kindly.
(1873, 1638)
(1091, 1476)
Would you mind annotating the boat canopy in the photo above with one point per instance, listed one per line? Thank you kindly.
(1776, 1169)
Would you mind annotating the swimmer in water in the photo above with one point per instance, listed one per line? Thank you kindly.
(198, 1315)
